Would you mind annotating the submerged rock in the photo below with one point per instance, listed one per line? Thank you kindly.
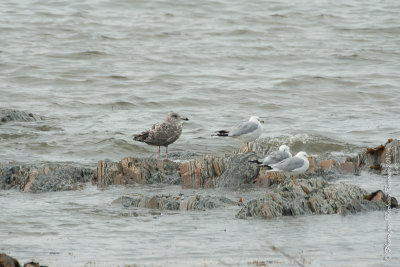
(312, 196)
(180, 202)
(7, 115)
(43, 178)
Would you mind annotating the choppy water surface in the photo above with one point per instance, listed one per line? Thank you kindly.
(102, 70)
(323, 75)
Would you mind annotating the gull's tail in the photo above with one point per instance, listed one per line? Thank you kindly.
(260, 164)
(141, 137)
(221, 133)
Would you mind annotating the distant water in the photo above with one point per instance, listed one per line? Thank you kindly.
(324, 75)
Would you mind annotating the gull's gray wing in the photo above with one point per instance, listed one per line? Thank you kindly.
(275, 157)
(244, 128)
(288, 164)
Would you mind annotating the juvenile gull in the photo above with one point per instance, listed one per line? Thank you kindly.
(291, 166)
(275, 157)
(246, 132)
(162, 133)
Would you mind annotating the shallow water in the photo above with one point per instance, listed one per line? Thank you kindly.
(324, 76)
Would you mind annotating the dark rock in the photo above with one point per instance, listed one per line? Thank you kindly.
(312, 196)
(8, 261)
(43, 178)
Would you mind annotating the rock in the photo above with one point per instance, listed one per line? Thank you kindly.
(201, 172)
(7, 115)
(313, 164)
(134, 170)
(266, 179)
(379, 196)
(180, 202)
(380, 157)
(348, 167)
(231, 170)
(328, 164)
(239, 171)
(43, 178)
(8, 261)
(312, 196)
(204, 172)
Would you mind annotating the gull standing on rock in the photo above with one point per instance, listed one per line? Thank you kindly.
(246, 132)
(291, 166)
(162, 133)
(275, 157)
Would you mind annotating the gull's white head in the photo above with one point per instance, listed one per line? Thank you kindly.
(175, 117)
(302, 154)
(255, 119)
(284, 148)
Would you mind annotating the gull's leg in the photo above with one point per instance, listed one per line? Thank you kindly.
(248, 148)
(294, 179)
(159, 152)
(279, 178)
(166, 151)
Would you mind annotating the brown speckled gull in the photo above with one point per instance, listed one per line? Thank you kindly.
(162, 133)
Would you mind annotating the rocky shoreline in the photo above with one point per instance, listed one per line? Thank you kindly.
(314, 194)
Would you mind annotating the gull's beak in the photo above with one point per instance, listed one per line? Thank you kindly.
(262, 121)
(185, 119)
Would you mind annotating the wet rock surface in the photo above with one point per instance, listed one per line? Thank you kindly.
(44, 177)
(311, 196)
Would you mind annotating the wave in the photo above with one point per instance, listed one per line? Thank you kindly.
(315, 145)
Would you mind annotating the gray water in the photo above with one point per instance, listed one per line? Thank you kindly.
(324, 75)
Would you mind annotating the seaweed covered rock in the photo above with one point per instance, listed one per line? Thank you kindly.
(380, 157)
(43, 178)
(312, 196)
